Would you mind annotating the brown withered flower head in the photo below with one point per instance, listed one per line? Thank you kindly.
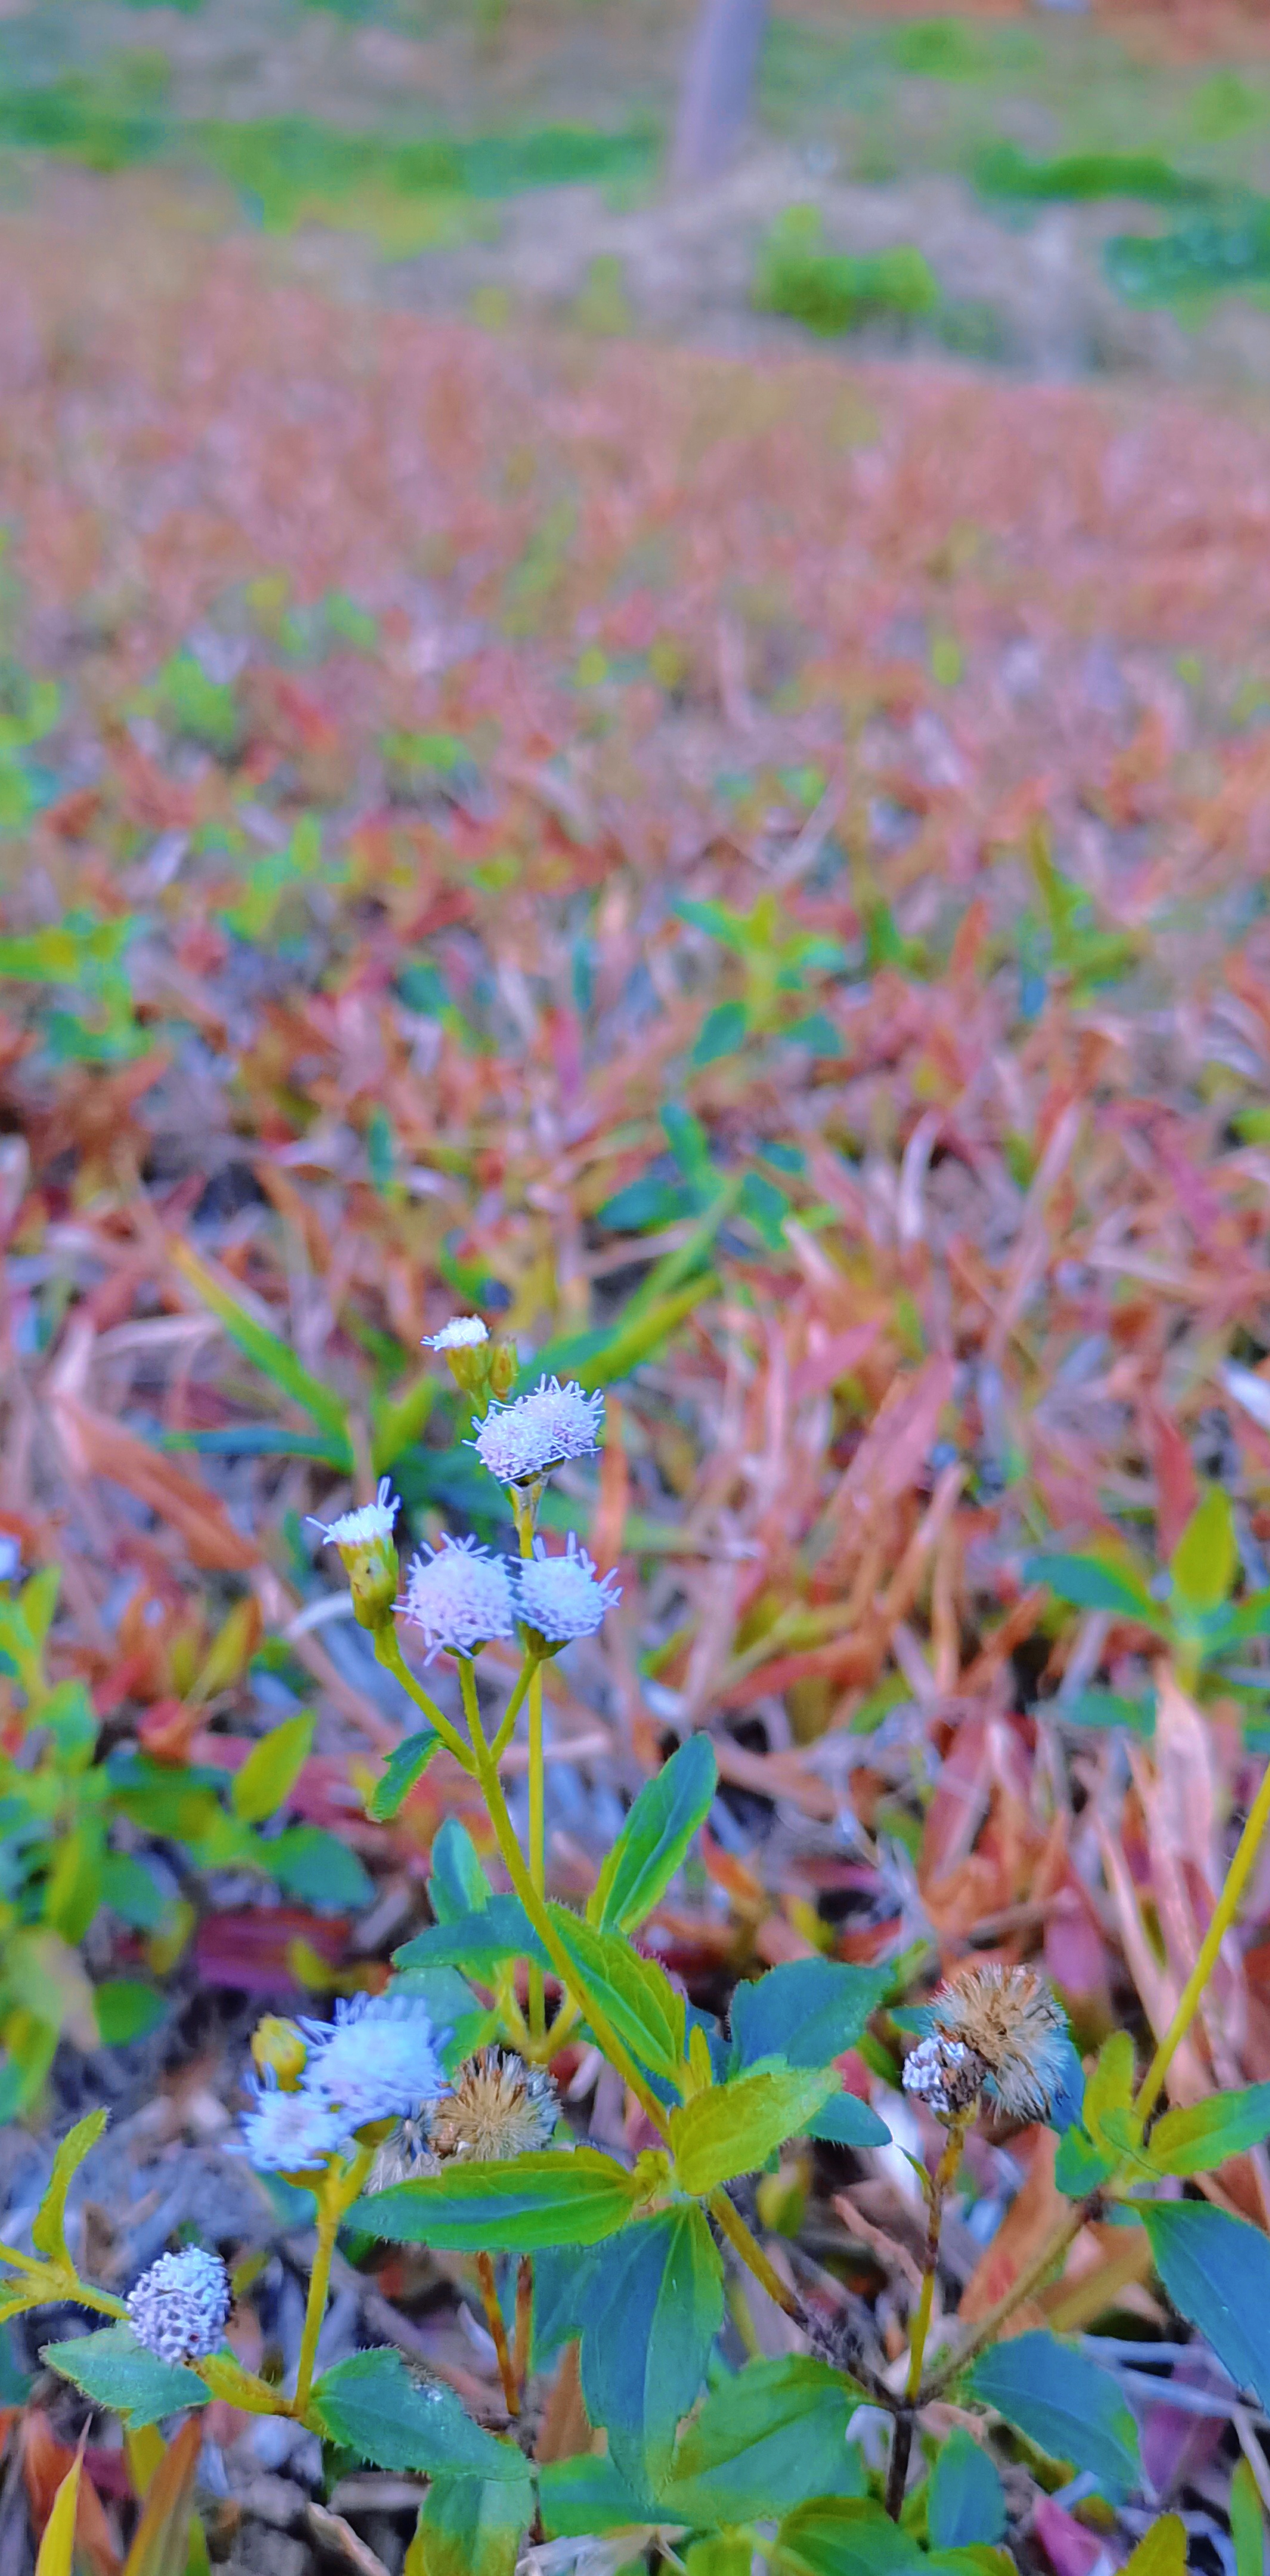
(499, 2107)
(997, 2030)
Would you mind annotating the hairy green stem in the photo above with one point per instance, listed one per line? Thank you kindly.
(336, 2192)
(389, 1652)
(746, 2244)
(941, 2184)
(1030, 2279)
(525, 1510)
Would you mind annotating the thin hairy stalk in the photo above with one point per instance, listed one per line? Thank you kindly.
(743, 2242)
(525, 1509)
(1029, 2280)
(390, 1655)
(335, 2194)
(514, 1863)
(498, 2332)
(942, 2181)
(512, 1710)
(1224, 1912)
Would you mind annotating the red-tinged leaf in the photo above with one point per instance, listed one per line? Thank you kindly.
(249, 1947)
(97, 1447)
(160, 2543)
(47, 2465)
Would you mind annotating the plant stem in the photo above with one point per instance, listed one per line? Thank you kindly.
(1030, 2279)
(525, 1508)
(388, 1650)
(338, 2189)
(512, 1710)
(941, 2184)
(897, 2473)
(498, 2331)
(524, 2318)
(536, 1909)
(744, 2243)
(1224, 1912)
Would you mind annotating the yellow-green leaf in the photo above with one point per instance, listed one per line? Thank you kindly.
(272, 1768)
(1109, 2085)
(1161, 2550)
(1203, 1562)
(57, 2549)
(227, 2379)
(48, 2227)
(736, 2127)
(637, 1997)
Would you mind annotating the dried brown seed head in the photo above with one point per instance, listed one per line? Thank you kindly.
(1016, 2026)
(499, 2107)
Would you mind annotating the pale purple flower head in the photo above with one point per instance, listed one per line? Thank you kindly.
(370, 1524)
(462, 1333)
(291, 2132)
(378, 2060)
(460, 1596)
(520, 1442)
(178, 2308)
(559, 1595)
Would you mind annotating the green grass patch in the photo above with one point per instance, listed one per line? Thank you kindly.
(834, 291)
(1001, 170)
(1215, 252)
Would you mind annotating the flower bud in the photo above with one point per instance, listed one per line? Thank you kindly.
(365, 1542)
(279, 2048)
(504, 1369)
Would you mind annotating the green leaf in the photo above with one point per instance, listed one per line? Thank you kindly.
(653, 2306)
(1078, 2166)
(372, 2405)
(1097, 1583)
(550, 2198)
(1216, 2270)
(1109, 2085)
(1202, 1566)
(589, 2494)
(272, 1768)
(453, 2009)
(273, 1357)
(1201, 2136)
(310, 1863)
(805, 2013)
(458, 1885)
(127, 2009)
(1103, 1708)
(613, 1350)
(478, 1942)
(646, 2011)
(854, 2537)
(965, 2500)
(474, 2526)
(767, 2440)
(719, 2553)
(735, 2127)
(48, 2227)
(655, 1837)
(845, 2121)
(114, 2370)
(405, 1764)
(1064, 2403)
(1247, 2525)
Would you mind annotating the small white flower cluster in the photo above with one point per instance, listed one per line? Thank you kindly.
(370, 1523)
(559, 1595)
(523, 1441)
(462, 1333)
(378, 2060)
(461, 1596)
(179, 2307)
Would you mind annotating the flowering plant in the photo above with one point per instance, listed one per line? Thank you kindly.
(430, 2115)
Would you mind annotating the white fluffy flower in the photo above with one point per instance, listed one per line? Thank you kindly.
(559, 1595)
(178, 2308)
(291, 2132)
(378, 2060)
(462, 1333)
(522, 1441)
(460, 1596)
(363, 1527)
